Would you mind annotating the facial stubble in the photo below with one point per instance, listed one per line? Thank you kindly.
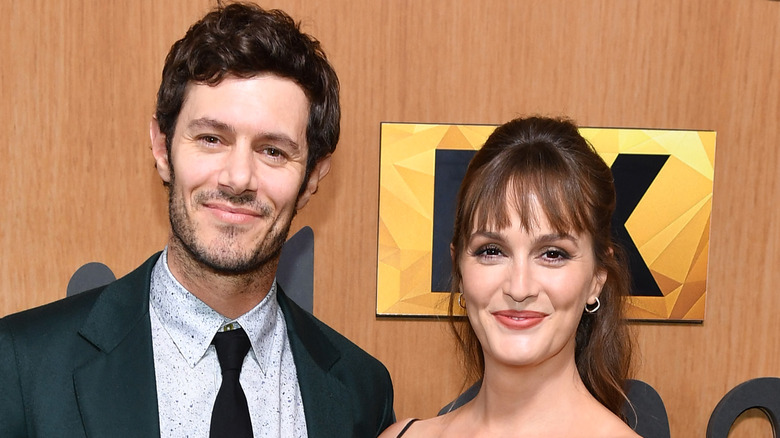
(224, 256)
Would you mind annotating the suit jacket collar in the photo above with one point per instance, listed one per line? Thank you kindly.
(120, 328)
(326, 401)
(116, 391)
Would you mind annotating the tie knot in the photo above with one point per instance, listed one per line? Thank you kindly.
(232, 347)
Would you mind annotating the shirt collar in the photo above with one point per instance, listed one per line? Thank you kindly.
(191, 323)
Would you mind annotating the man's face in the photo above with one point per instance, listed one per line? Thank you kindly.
(237, 163)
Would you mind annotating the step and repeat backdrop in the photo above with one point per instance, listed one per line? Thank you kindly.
(686, 89)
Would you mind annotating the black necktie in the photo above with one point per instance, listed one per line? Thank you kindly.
(230, 417)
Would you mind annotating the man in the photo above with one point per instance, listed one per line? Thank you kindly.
(247, 119)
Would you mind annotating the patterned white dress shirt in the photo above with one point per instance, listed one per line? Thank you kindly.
(188, 374)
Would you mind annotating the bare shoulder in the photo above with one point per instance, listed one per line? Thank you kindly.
(593, 419)
(396, 428)
(627, 432)
(623, 431)
(416, 428)
(614, 427)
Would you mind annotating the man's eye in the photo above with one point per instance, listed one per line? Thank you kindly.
(274, 153)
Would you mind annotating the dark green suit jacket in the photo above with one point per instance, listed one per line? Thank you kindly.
(83, 367)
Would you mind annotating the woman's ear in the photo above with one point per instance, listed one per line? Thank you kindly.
(598, 285)
(599, 280)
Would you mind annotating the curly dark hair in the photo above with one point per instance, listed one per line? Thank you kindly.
(547, 161)
(244, 40)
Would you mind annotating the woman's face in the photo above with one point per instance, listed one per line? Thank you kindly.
(525, 290)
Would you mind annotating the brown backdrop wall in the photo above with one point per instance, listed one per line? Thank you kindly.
(78, 80)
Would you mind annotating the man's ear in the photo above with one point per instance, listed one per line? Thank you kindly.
(319, 172)
(160, 151)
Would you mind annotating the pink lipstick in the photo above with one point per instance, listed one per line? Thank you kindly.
(519, 320)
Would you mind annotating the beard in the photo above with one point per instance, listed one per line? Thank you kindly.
(227, 253)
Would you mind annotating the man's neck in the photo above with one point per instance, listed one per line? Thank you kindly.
(232, 295)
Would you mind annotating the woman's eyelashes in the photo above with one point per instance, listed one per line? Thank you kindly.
(555, 254)
(488, 251)
(546, 255)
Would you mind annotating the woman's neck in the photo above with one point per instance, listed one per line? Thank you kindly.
(535, 399)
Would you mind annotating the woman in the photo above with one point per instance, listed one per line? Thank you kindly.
(543, 285)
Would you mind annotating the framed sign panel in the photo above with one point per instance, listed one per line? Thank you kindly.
(663, 180)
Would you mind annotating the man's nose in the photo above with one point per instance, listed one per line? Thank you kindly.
(238, 172)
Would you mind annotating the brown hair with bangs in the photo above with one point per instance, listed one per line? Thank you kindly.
(546, 161)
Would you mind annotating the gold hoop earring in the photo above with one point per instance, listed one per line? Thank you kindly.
(593, 309)
(461, 303)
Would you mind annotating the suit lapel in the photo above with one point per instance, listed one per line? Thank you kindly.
(116, 391)
(325, 401)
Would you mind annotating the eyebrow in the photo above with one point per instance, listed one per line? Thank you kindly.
(280, 138)
(206, 122)
(541, 239)
(551, 237)
(211, 123)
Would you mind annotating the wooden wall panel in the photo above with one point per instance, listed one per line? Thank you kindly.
(78, 86)
(78, 93)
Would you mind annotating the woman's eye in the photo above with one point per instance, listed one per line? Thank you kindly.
(489, 251)
(555, 254)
